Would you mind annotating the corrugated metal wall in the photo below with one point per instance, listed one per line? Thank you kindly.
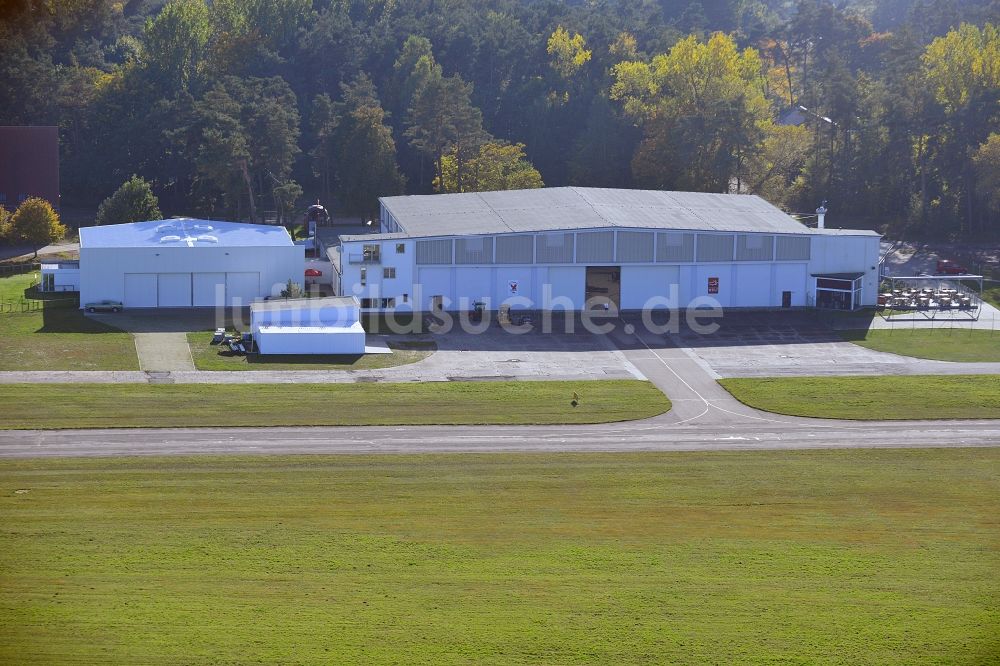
(554, 248)
(792, 248)
(595, 247)
(754, 247)
(434, 251)
(474, 250)
(674, 246)
(515, 249)
(635, 246)
(598, 247)
(715, 247)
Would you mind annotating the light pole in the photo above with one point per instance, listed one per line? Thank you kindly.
(832, 124)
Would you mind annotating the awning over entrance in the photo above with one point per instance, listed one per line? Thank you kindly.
(839, 276)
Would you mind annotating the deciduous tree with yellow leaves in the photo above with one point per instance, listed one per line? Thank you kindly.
(703, 112)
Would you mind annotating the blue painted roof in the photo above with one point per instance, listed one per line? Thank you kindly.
(184, 232)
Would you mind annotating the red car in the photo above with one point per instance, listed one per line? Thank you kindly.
(949, 267)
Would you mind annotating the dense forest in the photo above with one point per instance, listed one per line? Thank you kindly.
(889, 110)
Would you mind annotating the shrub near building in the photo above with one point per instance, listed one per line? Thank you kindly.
(36, 223)
(134, 201)
(5, 226)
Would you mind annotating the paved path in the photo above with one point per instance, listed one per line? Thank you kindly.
(704, 418)
(635, 437)
(494, 355)
(773, 346)
(28, 252)
(163, 352)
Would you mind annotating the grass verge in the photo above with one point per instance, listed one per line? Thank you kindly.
(943, 344)
(53, 406)
(217, 357)
(991, 294)
(837, 557)
(57, 336)
(873, 398)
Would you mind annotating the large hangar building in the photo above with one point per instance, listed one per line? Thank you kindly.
(574, 248)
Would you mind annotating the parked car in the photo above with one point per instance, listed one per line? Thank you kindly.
(103, 306)
(949, 267)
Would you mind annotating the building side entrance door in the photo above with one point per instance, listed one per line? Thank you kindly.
(603, 288)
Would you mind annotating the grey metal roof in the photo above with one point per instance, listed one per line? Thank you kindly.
(361, 237)
(844, 232)
(566, 208)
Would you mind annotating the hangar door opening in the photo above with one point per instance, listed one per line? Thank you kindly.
(174, 290)
(242, 289)
(209, 289)
(140, 290)
(604, 287)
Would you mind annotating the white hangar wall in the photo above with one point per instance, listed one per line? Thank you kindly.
(187, 276)
(836, 252)
(564, 287)
(532, 271)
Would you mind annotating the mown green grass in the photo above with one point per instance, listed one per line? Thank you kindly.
(13, 287)
(55, 335)
(217, 357)
(53, 406)
(848, 557)
(943, 344)
(873, 398)
(992, 295)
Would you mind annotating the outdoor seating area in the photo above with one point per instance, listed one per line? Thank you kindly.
(931, 296)
(927, 299)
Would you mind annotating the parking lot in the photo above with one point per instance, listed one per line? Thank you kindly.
(787, 344)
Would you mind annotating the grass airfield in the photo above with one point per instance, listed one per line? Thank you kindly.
(882, 557)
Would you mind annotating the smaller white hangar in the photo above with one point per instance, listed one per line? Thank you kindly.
(186, 263)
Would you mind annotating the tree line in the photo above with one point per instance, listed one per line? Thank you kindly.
(888, 110)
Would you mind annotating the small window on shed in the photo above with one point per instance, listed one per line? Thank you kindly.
(400, 248)
(364, 276)
(389, 272)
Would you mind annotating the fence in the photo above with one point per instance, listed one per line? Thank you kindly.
(6, 270)
(32, 305)
(21, 304)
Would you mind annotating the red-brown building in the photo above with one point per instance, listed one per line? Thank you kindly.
(29, 165)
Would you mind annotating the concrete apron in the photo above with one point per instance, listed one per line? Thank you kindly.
(163, 352)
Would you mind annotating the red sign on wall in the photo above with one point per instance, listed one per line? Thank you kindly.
(713, 285)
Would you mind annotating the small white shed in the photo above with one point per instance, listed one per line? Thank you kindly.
(308, 326)
(61, 276)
